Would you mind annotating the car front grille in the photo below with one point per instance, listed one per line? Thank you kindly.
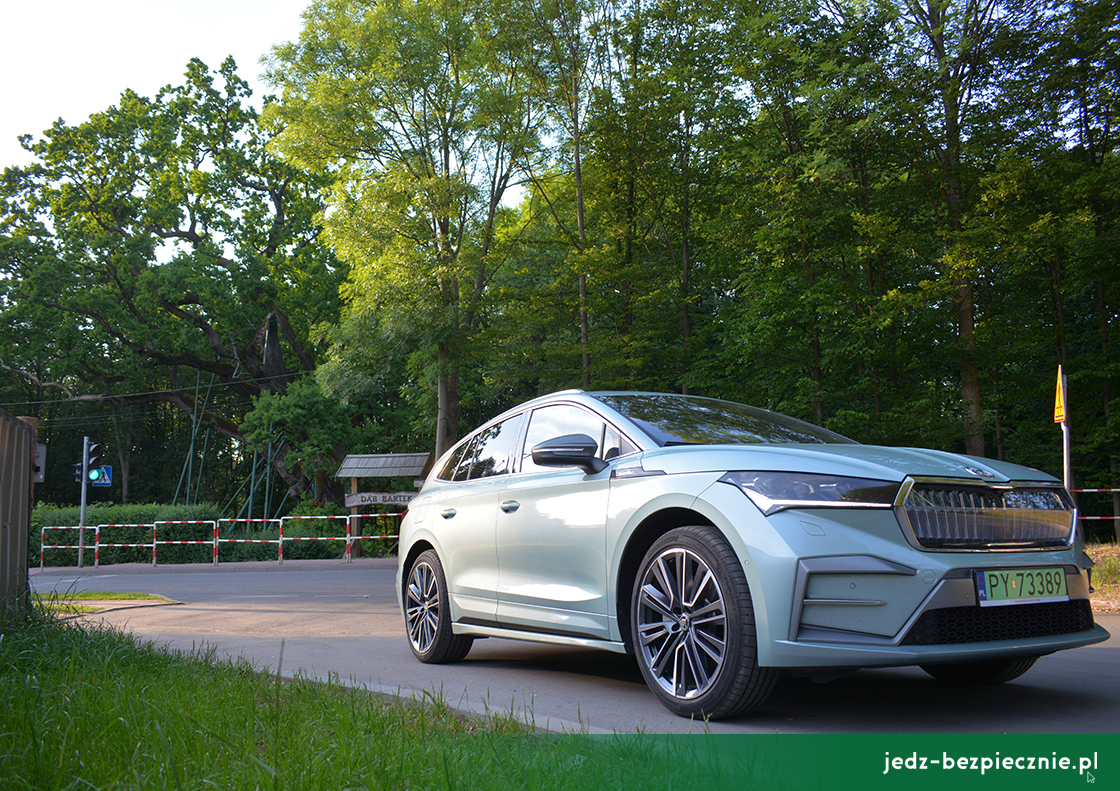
(954, 625)
(961, 516)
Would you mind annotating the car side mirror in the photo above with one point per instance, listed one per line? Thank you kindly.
(571, 450)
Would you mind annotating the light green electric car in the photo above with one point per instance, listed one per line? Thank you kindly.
(722, 543)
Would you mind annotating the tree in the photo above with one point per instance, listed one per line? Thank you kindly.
(562, 47)
(422, 118)
(160, 237)
(1050, 211)
(945, 93)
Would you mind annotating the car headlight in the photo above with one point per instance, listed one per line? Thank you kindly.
(777, 491)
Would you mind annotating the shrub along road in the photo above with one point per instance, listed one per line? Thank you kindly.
(327, 618)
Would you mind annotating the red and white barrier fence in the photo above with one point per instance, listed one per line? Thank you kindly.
(250, 522)
(345, 538)
(1097, 518)
(383, 536)
(43, 545)
(214, 539)
(151, 546)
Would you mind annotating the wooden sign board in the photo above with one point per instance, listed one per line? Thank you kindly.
(359, 499)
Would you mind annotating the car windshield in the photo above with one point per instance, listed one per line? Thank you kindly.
(690, 420)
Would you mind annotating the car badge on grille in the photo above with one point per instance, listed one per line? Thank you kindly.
(981, 473)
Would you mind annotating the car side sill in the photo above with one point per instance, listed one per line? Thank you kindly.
(480, 630)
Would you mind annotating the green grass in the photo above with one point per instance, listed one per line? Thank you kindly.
(97, 596)
(65, 603)
(65, 608)
(86, 706)
(1106, 572)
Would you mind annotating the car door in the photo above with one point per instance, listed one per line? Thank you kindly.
(466, 520)
(551, 550)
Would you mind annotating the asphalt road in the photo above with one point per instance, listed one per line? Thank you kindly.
(329, 619)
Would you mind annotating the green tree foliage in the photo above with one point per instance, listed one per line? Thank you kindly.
(833, 311)
(158, 245)
(867, 215)
(311, 431)
(420, 114)
(892, 217)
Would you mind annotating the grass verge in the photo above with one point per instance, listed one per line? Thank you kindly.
(1106, 571)
(67, 603)
(86, 706)
(97, 596)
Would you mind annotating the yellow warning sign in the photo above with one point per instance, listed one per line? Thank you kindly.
(1060, 399)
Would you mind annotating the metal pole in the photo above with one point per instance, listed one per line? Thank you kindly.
(201, 467)
(268, 476)
(1067, 450)
(1067, 444)
(82, 515)
(253, 485)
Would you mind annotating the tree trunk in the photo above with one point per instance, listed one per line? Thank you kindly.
(1113, 478)
(447, 414)
(124, 442)
(686, 254)
(584, 333)
(970, 378)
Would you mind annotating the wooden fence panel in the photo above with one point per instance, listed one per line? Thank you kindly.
(17, 452)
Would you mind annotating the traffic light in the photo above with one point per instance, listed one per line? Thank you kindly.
(93, 461)
(78, 472)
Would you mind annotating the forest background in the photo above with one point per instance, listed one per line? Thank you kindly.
(893, 218)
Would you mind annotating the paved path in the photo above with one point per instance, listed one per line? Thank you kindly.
(330, 619)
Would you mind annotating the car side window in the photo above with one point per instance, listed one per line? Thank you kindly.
(615, 445)
(448, 471)
(463, 469)
(494, 448)
(556, 421)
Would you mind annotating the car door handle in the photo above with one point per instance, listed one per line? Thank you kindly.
(509, 506)
(450, 512)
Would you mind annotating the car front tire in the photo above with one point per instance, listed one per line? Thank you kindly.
(428, 615)
(981, 674)
(693, 625)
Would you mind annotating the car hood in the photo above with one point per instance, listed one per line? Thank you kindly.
(864, 461)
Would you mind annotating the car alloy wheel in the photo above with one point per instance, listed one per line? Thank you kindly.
(682, 623)
(693, 627)
(427, 615)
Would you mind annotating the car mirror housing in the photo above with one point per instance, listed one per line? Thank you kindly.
(571, 450)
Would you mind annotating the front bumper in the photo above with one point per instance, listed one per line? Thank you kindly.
(828, 628)
(844, 588)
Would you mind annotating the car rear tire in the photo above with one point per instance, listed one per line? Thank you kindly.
(693, 627)
(428, 616)
(981, 674)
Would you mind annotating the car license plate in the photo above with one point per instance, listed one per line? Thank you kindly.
(997, 587)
